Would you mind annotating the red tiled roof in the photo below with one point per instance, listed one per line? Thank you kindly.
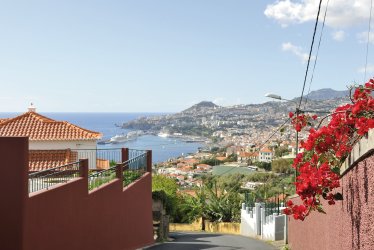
(190, 161)
(186, 168)
(204, 165)
(41, 128)
(45, 159)
(3, 119)
(254, 154)
(245, 154)
(266, 150)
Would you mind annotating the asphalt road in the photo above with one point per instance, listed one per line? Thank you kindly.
(195, 240)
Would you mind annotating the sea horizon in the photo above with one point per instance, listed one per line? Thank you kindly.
(107, 124)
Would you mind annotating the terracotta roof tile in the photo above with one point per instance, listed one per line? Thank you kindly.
(45, 159)
(41, 128)
(221, 158)
(3, 120)
(245, 154)
(266, 150)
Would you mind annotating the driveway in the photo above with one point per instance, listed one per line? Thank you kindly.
(197, 240)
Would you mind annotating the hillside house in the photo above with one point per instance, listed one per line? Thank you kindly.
(51, 143)
(265, 155)
(246, 157)
(203, 167)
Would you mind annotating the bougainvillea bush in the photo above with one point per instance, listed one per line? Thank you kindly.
(318, 167)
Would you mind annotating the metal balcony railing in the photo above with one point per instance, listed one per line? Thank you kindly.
(101, 177)
(100, 158)
(131, 170)
(50, 177)
(135, 167)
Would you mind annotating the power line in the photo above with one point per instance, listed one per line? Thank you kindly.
(367, 44)
(315, 61)
(310, 54)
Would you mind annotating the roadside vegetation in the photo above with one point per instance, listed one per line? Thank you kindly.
(219, 198)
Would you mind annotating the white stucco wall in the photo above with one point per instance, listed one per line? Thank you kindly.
(248, 223)
(73, 145)
(271, 227)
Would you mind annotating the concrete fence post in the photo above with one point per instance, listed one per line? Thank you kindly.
(258, 218)
(286, 229)
(119, 172)
(263, 218)
(124, 154)
(243, 206)
(14, 169)
(149, 161)
(83, 170)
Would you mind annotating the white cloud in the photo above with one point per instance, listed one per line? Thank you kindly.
(340, 13)
(297, 51)
(363, 37)
(338, 35)
(369, 69)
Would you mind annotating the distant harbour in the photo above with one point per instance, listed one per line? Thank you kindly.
(163, 148)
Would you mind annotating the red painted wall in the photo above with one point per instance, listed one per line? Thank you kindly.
(349, 224)
(68, 216)
(13, 191)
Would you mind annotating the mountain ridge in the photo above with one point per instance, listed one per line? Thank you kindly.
(252, 120)
(327, 94)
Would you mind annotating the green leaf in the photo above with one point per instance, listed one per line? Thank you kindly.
(336, 170)
(320, 209)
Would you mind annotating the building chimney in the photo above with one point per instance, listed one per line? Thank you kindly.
(32, 108)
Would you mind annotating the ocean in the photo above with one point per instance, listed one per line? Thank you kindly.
(162, 148)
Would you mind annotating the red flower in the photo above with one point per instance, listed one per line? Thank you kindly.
(326, 148)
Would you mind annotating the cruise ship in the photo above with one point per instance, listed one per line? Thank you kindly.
(132, 135)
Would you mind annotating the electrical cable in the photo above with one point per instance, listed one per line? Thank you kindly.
(310, 55)
(368, 41)
(315, 61)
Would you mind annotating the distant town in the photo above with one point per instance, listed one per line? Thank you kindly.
(240, 125)
(236, 138)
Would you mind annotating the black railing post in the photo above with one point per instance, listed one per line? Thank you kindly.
(278, 204)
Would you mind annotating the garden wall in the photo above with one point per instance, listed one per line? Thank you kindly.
(68, 216)
(211, 227)
(349, 223)
(254, 223)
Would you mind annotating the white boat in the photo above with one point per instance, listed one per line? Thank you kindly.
(162, 134)
(118, 138)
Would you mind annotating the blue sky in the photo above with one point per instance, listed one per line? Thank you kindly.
(166, 55)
